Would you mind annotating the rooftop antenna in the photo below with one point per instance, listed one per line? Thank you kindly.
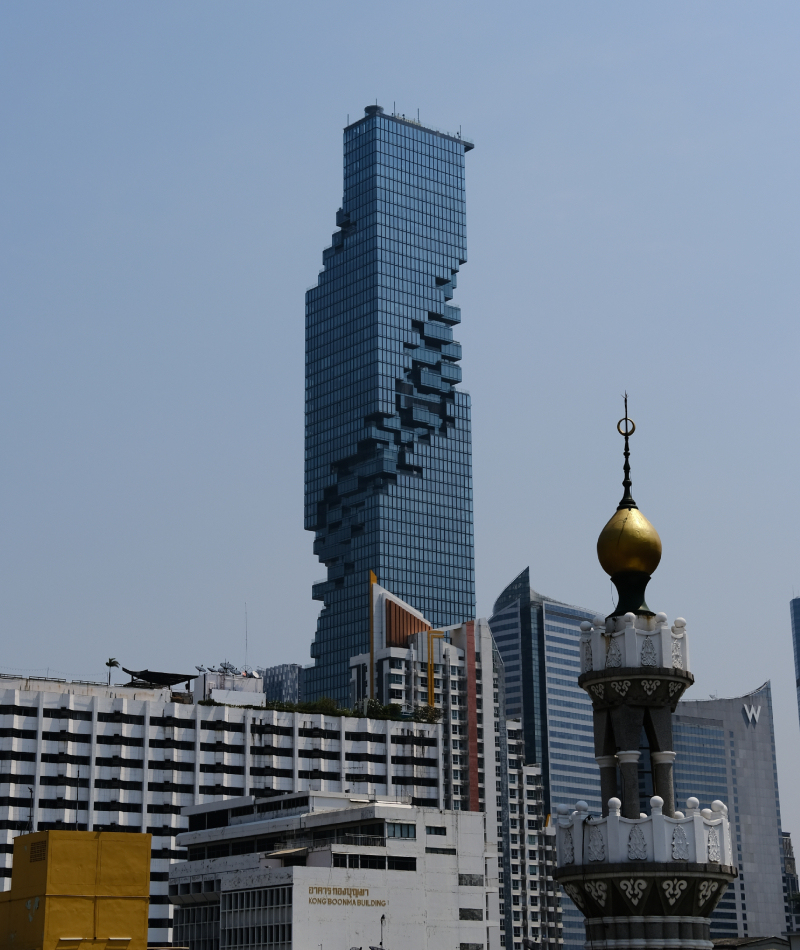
(29, 826)
(245, 636)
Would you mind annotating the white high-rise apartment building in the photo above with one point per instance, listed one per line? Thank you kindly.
(129, 758)
(530, 900)
(454, 671)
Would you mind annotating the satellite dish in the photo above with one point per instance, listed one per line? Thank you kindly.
(200, 669)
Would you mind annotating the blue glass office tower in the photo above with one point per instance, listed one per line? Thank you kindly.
(794, 610)
(539, 641)
(388, 470)
(726, 750)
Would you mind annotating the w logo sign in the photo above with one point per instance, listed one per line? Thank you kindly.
(752, 712)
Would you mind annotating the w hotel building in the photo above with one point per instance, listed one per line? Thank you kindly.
(388, 482)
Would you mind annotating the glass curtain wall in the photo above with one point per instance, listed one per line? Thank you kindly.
(388, 481)
(794, 609)
(539, 641)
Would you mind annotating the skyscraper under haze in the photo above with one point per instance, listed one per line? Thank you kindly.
(388, 483)
(794, 610)
(539, 641)
(726, 750)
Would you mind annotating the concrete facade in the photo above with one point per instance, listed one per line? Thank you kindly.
(530, 899)
(117, 759)
(455, 671)
(338, 871)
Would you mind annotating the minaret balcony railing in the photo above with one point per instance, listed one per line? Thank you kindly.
(701, 837)
(632, 641)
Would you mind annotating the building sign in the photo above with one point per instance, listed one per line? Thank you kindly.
(343, 897)
(752, 712)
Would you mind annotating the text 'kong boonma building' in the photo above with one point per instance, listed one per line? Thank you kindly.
(641, 881)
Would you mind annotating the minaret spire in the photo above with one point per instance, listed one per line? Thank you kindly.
(630, 873)
(629, 547)
(626, 427)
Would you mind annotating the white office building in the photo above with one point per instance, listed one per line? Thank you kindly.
(297, 872)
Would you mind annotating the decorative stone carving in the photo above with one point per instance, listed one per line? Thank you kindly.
(569, 848)
(587, 656)
(613, 657)
(707, 888)
(677, 654)
(713, 846)
(633, 889)
(598, 890)
(621, 686)
(648, 655)
(673, 688)
(597, 847)
(637, 846)
(599, 690)
(575, 894)
(650, 686)
(680, 846)
(673, 889)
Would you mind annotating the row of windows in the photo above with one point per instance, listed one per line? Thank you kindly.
(400, 155)
(388, 129)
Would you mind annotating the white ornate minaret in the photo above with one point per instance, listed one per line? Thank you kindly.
(641, 881)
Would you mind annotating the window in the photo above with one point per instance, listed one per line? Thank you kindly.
(468, 913)
(375, 862)
(435, 830)
(396, 863)
(397, 829)
(340, 860)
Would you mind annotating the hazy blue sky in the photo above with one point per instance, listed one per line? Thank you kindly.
(170, 176)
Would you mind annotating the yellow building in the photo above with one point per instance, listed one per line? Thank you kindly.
(72, 890)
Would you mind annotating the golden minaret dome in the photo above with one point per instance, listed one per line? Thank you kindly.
(629, 548)
(628, 543)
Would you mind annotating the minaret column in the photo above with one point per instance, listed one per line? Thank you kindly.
(608, 779)
(629, 771)
(639, 882)
(662, 780)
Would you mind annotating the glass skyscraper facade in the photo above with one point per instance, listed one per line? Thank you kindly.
(388, 460)
(794, 610)
(539, 641)
(726, 750)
